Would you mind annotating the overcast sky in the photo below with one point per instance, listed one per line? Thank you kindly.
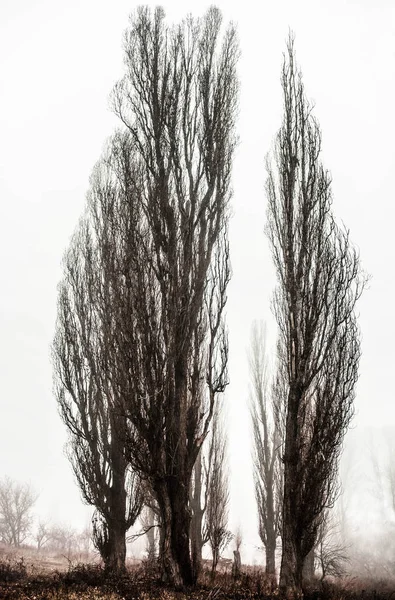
(58, 64)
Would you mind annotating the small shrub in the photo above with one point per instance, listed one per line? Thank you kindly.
(89, 574)
(150, 568)
(12, 570)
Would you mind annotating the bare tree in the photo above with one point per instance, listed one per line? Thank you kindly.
(382, 460)
(85, 540)
(390, 476)
(201, 490)
(82, 356)
(63, 540)
(141, 335)
(236, 567)
(216, 514)
(148, 521)
(349, 479)
(319, 283)
(238, 538)
(42, 534)
(177, 102)
(16, 503)
(330, 552)
(266, 403)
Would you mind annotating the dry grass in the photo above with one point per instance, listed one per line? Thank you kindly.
(28, 575)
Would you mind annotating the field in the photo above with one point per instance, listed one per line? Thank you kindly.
(31, 575)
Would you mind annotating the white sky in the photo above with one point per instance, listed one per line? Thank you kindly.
(58, 63)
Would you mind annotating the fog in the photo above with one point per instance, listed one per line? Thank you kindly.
(58, 63)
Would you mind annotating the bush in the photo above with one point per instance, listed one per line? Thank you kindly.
(12, 569)
(89, 574)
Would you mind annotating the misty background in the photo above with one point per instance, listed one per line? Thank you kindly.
(58, 64)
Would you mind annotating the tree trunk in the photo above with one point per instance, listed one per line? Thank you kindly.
(236, 567)
(169, 567)
(197, 519)
(291, 566)
(308, 567)
(115, 552)
(181, 521)
(214, 563)
(161, 539)
(271, 532)
(151, 535)
(176, 485)
(271, 557)
(291, 561)
(114, 561)
(196, 543)
(175, 522)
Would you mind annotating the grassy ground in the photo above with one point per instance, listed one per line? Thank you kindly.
(30, 575)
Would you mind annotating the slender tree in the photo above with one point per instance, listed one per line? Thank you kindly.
(82, 356)
(141, 335)
(217, 507)
(330, 552)
(147, 519)
(204, 487)
(265, 406)
(177, 102)
(319, 283)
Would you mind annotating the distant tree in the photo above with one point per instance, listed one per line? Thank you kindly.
(266, 403)
(383, 466)
(238, 538)
(349, 478)
(236, 567)
(319, 283)
(85, 540)
(63, 540)
(150, 526)
(201, 488)
(390, 477)
(216, 514)
(148, 521)
(330, 552)
(42, 535)
(16, 503)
